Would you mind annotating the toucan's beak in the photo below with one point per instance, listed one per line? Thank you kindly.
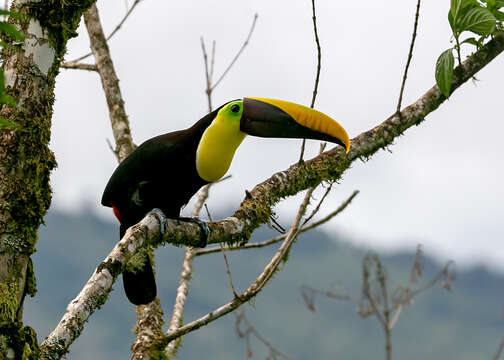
(282, 119)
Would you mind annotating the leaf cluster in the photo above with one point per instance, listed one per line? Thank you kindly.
(7, 30)
(482, 18)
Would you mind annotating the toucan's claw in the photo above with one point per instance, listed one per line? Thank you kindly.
(161, 218)
(205, 230)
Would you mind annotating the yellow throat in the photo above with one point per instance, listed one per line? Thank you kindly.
(219, 143)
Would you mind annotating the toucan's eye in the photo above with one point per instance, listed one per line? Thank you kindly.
(235, 108)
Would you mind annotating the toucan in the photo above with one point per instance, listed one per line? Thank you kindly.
(166, 171)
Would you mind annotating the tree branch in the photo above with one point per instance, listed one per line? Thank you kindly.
(79, 66)
(110, 83)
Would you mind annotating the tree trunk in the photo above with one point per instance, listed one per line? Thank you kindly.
(30, 68)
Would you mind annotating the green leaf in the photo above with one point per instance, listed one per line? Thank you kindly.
(4, 123)
(444, 72)
(458, 8)
(11, 30)
(478, 20)
(499, 3)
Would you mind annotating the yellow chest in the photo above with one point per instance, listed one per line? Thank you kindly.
(216, 149)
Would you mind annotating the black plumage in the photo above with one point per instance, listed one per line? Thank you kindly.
(160, 173)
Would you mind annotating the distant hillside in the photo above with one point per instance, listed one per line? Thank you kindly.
(463, 324)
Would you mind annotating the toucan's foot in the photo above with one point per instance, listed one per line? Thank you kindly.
(205, 230)
(161, 217)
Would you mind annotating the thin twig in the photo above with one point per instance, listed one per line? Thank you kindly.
(228, 268)
(208, 89)
(374, 307)
(111, 148)
(237, 54)
(277, 239)
(319, 56)
(499, 350)
(274, 353)
(79, 66)
(317, 77)
(212, 61)
(128, 13)
(317, 208)
(394, 319)
(410, 55)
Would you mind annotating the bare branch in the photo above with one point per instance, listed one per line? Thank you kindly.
(110, 83)
(228, 268)
(248, 331)
(236, 56)
(410, 55)
(395, 317)
(317, 208)
(128, 13)
(317, 76)
(212, 61)
(319, 56)
(208, 90)
(417, 267)
(499, 350)
(79, 66)
(308, 293)
(176, 320)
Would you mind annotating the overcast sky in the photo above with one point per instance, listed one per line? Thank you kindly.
(439, 186)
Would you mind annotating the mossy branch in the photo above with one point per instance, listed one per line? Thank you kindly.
(257, 206)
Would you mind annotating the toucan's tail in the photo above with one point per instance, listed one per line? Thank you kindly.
(140, 286)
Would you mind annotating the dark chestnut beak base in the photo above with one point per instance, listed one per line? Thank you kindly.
(281, 119)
